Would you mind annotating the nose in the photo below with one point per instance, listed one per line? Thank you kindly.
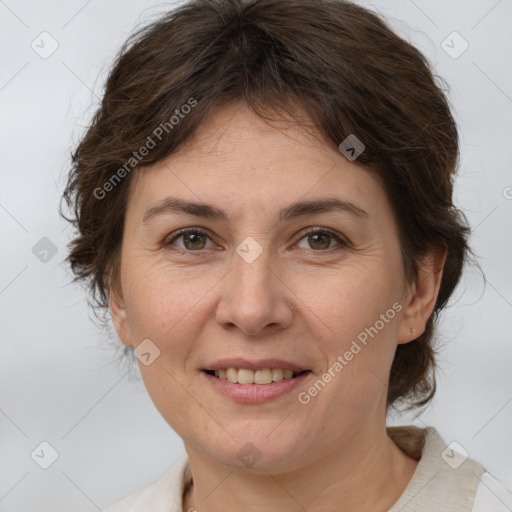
(254, 297)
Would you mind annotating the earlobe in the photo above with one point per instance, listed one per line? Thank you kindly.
(119, 316)
(422, 297)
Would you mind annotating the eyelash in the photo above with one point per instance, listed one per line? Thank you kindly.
(309, 231)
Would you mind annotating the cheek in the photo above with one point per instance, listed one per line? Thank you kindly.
(167, 308)
(348, 301)
(359, 316)
(163, 302)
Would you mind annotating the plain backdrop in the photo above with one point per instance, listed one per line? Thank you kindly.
(60, 383)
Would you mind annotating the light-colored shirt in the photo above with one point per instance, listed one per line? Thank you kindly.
(444, 481)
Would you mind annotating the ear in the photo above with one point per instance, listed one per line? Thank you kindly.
(118, 312)
(422, 296)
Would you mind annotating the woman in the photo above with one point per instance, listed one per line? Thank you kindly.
(264, 203)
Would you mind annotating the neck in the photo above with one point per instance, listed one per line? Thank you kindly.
(367, 475)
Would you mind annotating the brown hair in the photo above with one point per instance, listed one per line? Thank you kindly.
(341, 64)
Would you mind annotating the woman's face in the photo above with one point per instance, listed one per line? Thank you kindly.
(256, 286)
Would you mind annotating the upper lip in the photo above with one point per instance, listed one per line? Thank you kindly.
(260, 364)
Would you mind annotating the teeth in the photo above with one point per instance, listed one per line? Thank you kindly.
(245, 376)
(261, 376)
(287, 374)
(232, 375)
(277, 374)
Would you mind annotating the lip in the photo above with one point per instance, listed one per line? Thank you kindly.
(254, 393)
(260, 364)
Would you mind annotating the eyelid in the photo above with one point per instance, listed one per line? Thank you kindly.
(168, 239)
(343, 241)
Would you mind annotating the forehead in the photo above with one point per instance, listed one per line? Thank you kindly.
(241, 162)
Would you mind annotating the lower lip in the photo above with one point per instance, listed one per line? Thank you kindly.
(252, 393)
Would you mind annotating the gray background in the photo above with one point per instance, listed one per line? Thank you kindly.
(60, 383)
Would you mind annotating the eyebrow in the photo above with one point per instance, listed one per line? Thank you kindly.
(299, 209)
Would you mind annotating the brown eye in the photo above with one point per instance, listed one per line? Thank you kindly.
(192, 240)
(321, 239)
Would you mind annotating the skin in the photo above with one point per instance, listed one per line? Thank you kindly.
(301, 300)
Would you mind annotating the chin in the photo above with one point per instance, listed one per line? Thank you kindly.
(260, 452)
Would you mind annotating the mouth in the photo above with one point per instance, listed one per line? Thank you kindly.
(262, 376)
(248, 386)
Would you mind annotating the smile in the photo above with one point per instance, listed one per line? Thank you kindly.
(247, 376)
(243, 385)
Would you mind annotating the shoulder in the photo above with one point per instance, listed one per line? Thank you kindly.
(492, 496)
(445, 477)
(163, 495)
